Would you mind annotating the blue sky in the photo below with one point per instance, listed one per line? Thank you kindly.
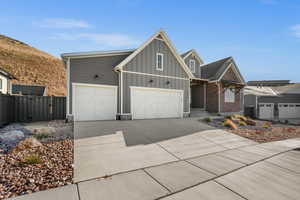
(263, 36)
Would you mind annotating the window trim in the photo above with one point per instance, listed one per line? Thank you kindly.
(190, 66)
(162, 62)
(229, 100)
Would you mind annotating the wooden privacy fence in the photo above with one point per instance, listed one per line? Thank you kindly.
(31, 108)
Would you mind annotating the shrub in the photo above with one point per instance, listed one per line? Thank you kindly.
(267, 125)
(41, 136)
(242, 123)
(32, 160)
(207, 119)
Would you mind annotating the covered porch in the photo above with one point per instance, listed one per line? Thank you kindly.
(198, 98)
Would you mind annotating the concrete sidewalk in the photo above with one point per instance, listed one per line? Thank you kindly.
(258, 171)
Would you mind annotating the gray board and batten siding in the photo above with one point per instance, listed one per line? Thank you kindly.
(197, 73)
(137, 72)
(145, 62)
(94, 70)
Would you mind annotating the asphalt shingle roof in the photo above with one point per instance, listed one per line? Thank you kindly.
(288, 89)
(214, 70)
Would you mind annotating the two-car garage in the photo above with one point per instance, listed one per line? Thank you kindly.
(100, 102)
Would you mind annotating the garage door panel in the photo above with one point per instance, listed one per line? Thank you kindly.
(96, 102)
(156, 103)
(289, 110)
(266, 110)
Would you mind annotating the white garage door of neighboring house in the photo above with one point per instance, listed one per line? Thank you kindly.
(94, 102)
(289, 110)
(151, 103)
(266, 110)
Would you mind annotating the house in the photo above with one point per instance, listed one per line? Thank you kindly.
(152, 81)
(274, 102)
(5, 82)
(31, 90)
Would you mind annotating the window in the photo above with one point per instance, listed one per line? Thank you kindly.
(0, 84)
(160, 61)
(192, 66)
(229, 95)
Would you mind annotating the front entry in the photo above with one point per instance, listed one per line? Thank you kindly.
(197, 96)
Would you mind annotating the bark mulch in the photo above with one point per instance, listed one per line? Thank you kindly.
(50, 166)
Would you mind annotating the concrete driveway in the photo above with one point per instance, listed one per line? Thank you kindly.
(141, 131)
(112, 147)
(253, 172)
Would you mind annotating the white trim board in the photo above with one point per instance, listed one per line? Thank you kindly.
(96, 54)
(143, 46)
(146, 74)
(68, 88)
(95, 85)
(160, 89)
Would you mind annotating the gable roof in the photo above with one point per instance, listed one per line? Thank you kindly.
(216, 70)
(6, 74)
(190, 52)
(161, 35)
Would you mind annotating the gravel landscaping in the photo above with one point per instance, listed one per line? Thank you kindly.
(37, 157)
(262, 132)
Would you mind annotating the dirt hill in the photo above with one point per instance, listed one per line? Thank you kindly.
(32, 67)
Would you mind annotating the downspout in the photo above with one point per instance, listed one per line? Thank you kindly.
(219, 98)
(121, 92)
(68, 87)
(204, 101)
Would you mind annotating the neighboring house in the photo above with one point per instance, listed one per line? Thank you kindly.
(153, 81)
(31, 90)
(268, 83)
(274, 103)
(5, 82)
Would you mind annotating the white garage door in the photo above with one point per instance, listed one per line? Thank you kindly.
(94, 102)
(151, 103)
(289, 110)
(266, 110)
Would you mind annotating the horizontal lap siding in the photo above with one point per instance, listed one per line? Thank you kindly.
(287, 98)
(158, 82)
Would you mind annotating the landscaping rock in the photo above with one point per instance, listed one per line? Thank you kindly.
(230, 123)
(28, 144)
(250, 122)
(11, 135)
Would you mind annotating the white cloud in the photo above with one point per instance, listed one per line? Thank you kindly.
(62, 23)
(111, 40)
(296, 30)
(269, 2)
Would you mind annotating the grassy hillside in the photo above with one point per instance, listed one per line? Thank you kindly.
(32, 67)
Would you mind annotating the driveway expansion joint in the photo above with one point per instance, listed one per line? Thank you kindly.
(157, 181)
(230, 189)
